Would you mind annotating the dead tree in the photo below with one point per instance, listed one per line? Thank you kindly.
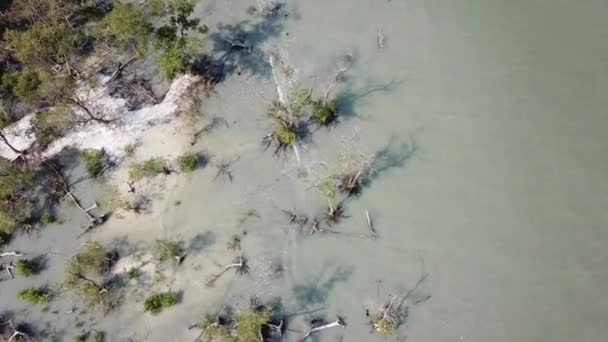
(370, 225)
(337, 323)
(16, 335)
(240, 266)
(14, 254)
(65, 187)
(8, 266)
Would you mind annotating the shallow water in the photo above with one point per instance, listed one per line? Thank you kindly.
(492, 196)
(501, 203)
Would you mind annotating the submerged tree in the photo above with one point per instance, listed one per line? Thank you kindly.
(288, 119)
(253, 324)
(81, 270)
(164, 250)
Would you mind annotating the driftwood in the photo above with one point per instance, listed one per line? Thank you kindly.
(337, 323)
(120, 68)
(372, 231)
(17, 334)
(13, 253)
(239, 264)
(94, 220)
(8, 267)
(380, 39)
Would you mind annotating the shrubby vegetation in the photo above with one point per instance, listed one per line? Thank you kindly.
(157, 302)
(166, 249)
(174, 41)
(34, 295)
(94, 161)
(147, 168)
(14, 196)
(26, 268)
(82, 270)
(187, 162)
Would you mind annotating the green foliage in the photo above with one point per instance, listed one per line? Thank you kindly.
(246, 328)
(49, 125)
(99, 336)
(284, 134)
(146, 168)
(167, 249)
(93, 160)
(93, 259)
(81, 338)
(94, 295)
(14, 199)
(34, 295)
(328, 188)
(234, 243)
(177, 50)
(126, 28)
(44, 41)
(248, 324)
(130, 150)
(156, 302)
(46, 219)
(133, 273)
(26, 268)
(22, 84)
(324, 114)
(187, 162)
(384, 324)
(247, 214)
(4, 238)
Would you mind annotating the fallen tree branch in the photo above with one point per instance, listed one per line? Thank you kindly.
(370, 225)
(8, 267)
(13, 253)
(120, 68)
(95, 220)
(16, 333)
(239, 264)
(337, 323)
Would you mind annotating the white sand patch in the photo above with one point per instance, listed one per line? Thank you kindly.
(19, 135)
(128, 127)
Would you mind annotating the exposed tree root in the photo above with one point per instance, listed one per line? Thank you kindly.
(337, 323)
(240, 266)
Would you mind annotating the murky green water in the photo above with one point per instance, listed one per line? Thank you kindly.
(489, 201)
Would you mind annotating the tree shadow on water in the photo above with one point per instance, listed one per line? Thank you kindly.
(346, 99)
(316, 291)
(238, 48)
(395, 154)
(201, 241)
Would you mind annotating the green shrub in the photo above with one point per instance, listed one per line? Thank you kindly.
(156, 302)
(133, 273)
(324, 114)
(46, 219)
(99, 336)
(34, 295)
(285, 135)
(81, 338)
(146, 168)
(22, 84)
(26, 268)
(187, 162)
(93, 160)
(130, 150)
(234, 243)
(4, 238)
(166, 249)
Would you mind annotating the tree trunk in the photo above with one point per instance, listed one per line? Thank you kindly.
(86, 109)
(3, 137)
